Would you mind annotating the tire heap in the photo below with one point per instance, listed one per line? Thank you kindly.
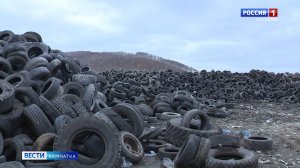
(50, 102)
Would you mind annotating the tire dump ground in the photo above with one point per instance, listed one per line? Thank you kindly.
(50, 102)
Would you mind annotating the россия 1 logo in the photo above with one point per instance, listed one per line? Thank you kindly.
(259, 12)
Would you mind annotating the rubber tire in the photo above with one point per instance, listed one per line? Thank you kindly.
(187, 151)
(138, 152)
(1, 143)
(153, 134)
(84, 79)
(165, 116)
(258, 143)
(168, 152)
(37, 120)
(249, 158)
(74, 88)
(89, 97)
(176, 135)
(202, 153)
(19, 79)
(187, 118)
(12, 164)
(5, 65)
(74, 67)
(64, 107)
(49, 109)
(6, 96)
(27, 96)
(102, 129)
(136, 119)
(224, 140)
(118, 121)
(145, 109)
(44, 142)
(60, 121)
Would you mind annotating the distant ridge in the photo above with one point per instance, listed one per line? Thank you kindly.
(105, 61)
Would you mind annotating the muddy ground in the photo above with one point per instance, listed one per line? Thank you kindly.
(281, 122)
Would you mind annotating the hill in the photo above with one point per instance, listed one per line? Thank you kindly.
(104, 61)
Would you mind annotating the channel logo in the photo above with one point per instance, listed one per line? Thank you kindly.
(259, 12)
(49, 155)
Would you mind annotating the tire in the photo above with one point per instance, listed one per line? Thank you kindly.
(258, 143)
(117, 93)
(54, 66)
(12, 164)
(74, 88)
(13, 149)
(6, 96)
(131, 148)
(118, 121)
(135, 118)
(223, 140)
(30, 164)
(12, 120)
(37, 120)
(49, 109)
(71, 99)
(44, 142)
(187, 151)
(88, 98)
(145, 109)
(80, 110)
(50, 88)
(1, 143)
(5, 65)
(64, 107)
(201, 155)
(40, 73)
(84, 79)
(36, 62)
(187, 118)
(153, 134)
(18, 79)
(168, 152)
(154, 145)
(69, 66)
(83, 125)
(17, 62)
(233, 158)
(27, 96)
(60, 121)
(176, 134)
(165, 116)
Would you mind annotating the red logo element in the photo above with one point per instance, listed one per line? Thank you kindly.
(273, 12)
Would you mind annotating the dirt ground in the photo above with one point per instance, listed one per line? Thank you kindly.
(281, 122)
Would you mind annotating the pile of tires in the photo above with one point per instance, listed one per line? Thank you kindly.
(50, 102)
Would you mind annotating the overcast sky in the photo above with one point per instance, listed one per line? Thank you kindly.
(207, 34)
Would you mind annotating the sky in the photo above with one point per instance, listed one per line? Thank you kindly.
(206, 34)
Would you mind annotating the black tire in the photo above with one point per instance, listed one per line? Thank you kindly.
(60, 121)
(165, 116)
(135, 118)
(19, 79)
(80, 110)
(168, 152)
(6, 96)
(233, 158)
(40, 73)
(50, 88)
(223, 140)
(131, 148)
(154, 145)
(71, 99)
(201, 155)
(17, 62)
(74, 88)
(49, 109)
(27, 96)
(69, 66)
(89, 96)
(54, 66)
(13, 148)
(118, 121)
(117, 93)
(258, 143)
(5, 65)
(12, 120)
(84, 79)
(30, 164)
(153, 134)
(12, 164)
(98, 127)
(64, 107)
(145, 109)
(1, 143)
(187, 151)
(176, 135)
(44, 142)
(37, 120)
(187, 118)
(36, 62)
